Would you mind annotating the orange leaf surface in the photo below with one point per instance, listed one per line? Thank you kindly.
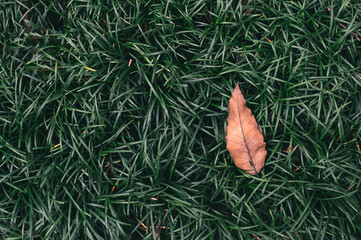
(244, 139)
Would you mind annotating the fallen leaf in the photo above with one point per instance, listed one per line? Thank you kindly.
(244, 139)
(159, 227)
(157, 230)
(249, 10)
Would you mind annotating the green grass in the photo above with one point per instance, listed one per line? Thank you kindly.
(121, 151)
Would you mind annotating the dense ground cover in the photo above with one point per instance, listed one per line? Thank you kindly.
(113, 116)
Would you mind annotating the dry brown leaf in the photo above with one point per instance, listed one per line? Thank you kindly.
(244, 139)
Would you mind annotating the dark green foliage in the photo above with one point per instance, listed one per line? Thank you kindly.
(90, 154)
